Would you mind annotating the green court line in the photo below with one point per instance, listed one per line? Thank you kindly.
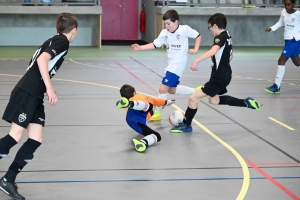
(124, 52)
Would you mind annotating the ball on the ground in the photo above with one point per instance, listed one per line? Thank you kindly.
(176, 117)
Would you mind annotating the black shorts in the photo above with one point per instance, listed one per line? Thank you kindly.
(24, 108)
(211, 89)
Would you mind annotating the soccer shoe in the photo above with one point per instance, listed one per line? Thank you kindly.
(123, 103)
(139, 146)
(181, 128)
(156, 117)
(273, 89)
(10, 189)
(251, 103)
(198, 88)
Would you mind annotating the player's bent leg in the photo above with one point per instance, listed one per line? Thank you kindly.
(35, 132)
(214, 100)
(296, 60)
(16, 131)
(195, 98)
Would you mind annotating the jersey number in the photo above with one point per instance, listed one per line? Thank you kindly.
(34, 57)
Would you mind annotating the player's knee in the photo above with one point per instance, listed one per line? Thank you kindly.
(193, 99)
(213, 101)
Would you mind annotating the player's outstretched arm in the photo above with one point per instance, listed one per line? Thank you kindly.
(204, 56)
(135, 105)
(197, 45)
(136, 47)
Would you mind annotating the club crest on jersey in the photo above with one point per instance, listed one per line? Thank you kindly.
(178, 36)
(293, 19)
(22, 117)
(217, 40)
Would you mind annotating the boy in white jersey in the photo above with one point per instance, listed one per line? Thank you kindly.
(290, 19)
(175, 37)
(25, 109)
(221, 54)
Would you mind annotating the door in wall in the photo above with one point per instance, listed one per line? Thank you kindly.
(119, 19)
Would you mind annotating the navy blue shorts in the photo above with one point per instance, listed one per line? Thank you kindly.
(291, 48)
(171, 80)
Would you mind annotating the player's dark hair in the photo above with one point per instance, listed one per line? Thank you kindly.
(66, 22)
(127, 91)
(219, 19)
(172, 15)
(292, 1)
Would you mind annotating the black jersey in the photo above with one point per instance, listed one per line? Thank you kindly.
(221, 70)
(32, 82)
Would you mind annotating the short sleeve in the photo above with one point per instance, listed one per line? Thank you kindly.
(189, 32)
(57, 46)
(161, 39)
(220, 40)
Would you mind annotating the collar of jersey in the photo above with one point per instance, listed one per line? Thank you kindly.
(175, 29)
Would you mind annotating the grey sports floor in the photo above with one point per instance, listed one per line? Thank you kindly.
(232, 153)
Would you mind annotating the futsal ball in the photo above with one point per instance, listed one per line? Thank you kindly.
(176, 117)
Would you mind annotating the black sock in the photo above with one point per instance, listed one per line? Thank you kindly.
(6, 143)
(232, 101)
(24, 155)
(189, 115)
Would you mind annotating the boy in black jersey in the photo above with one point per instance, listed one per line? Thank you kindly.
(25, 109)
(221, 54)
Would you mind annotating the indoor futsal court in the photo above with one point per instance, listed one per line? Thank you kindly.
(232, 153)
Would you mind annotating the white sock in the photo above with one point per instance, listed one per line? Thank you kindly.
(181, 90)
(140, 105)
(151, 139)
(161, 96)
(279, 75)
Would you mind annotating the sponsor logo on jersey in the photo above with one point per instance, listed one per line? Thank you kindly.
(53, 50)
(41, 119)
(293, 19)
(175, 46)
(178, 36)
(290, 26)
(217, 40)
(22, 117)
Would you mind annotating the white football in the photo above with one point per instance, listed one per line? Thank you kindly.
(176, 117)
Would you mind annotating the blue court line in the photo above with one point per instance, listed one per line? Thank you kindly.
(152, 179)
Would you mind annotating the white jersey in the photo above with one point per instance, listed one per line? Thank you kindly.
(291, 23)
(177, 45)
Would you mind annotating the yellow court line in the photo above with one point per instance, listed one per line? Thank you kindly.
(282, 124)
(246, 173)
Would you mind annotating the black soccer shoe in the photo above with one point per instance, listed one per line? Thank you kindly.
(10, 189)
